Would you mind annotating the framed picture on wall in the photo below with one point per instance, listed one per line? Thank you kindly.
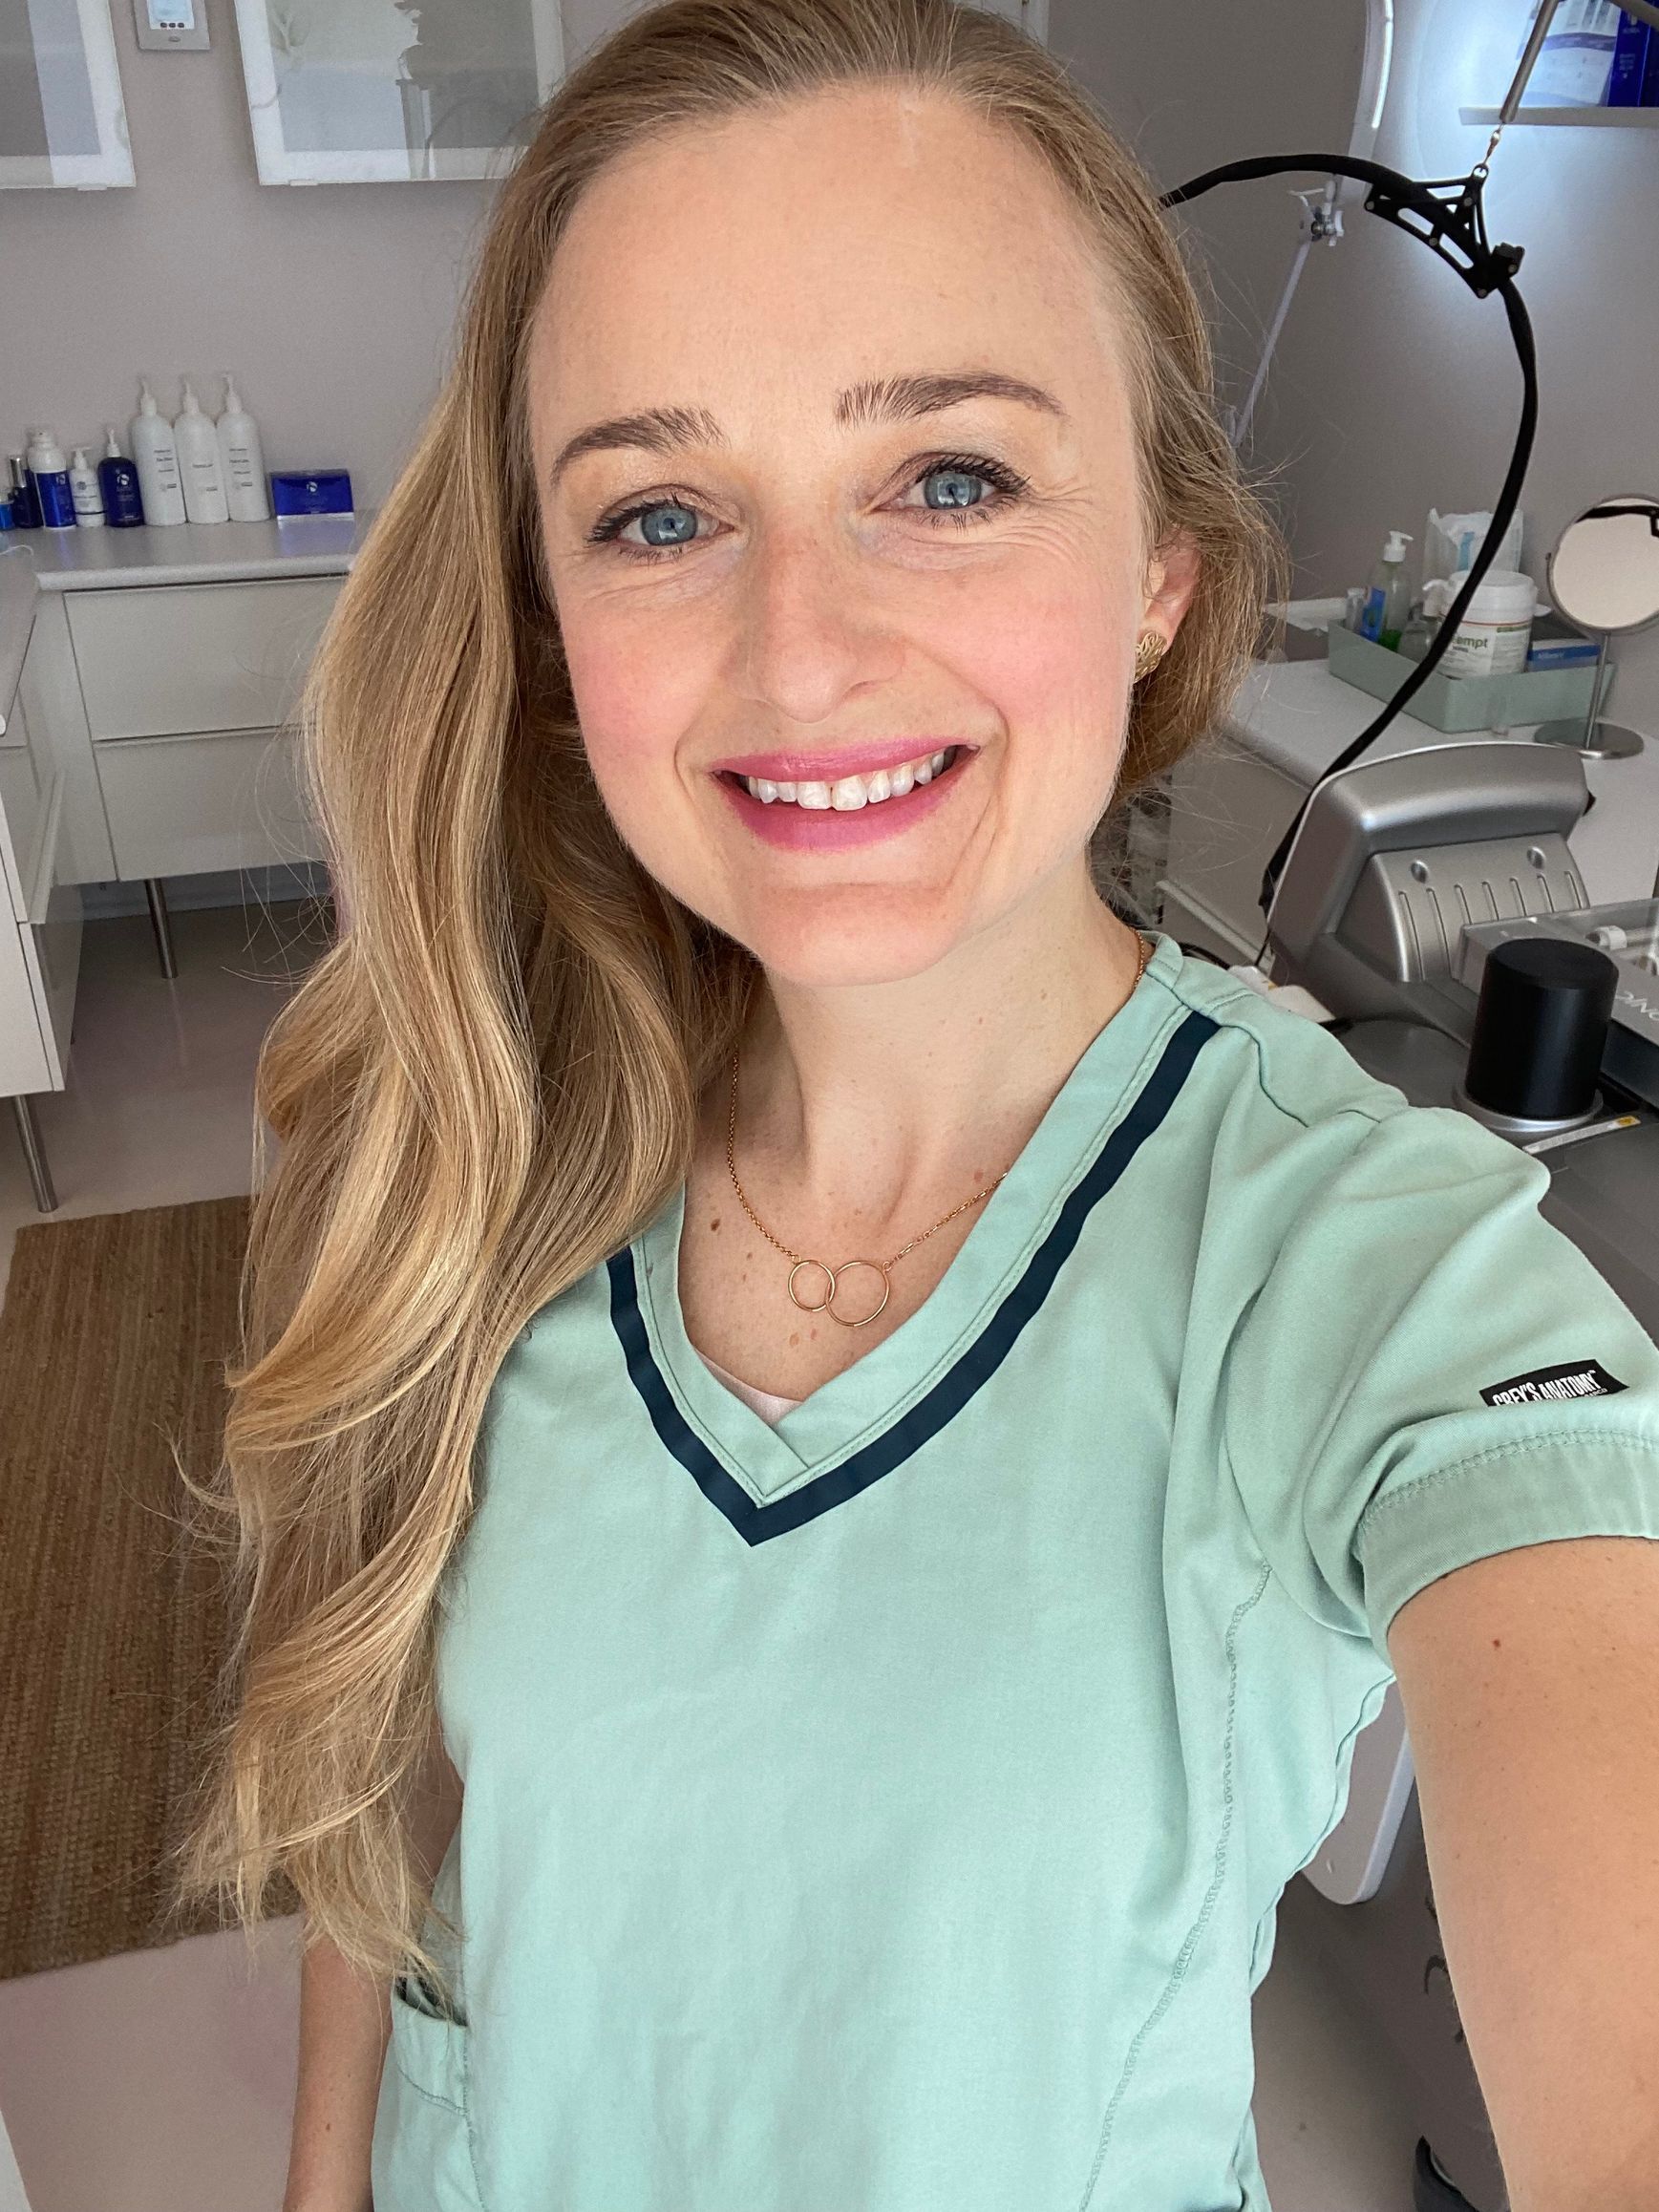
(363, 91)
(61, 119)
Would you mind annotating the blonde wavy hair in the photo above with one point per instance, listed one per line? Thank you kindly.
(488, 1082)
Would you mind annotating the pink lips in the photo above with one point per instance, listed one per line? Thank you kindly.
(828, 768)
(829, 829)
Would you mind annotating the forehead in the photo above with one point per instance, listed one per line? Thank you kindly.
(877, 227)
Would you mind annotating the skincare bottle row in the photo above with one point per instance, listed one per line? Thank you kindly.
(195, 470)
(46, 492)
(191, 470)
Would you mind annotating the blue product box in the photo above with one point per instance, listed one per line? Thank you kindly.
(1633, 54)
(1650, 75)
(1563, 652)
(311, 492)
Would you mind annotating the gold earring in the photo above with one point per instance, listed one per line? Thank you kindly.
(1149, 653)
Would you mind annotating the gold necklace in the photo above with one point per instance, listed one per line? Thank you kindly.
(833, 1275)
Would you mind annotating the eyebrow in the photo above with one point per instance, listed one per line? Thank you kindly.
(669, 430)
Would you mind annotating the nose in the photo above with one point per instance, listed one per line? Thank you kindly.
(811, 626)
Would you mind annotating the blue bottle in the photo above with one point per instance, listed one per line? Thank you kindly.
(118, 483)
(25, 507)
(49, 469)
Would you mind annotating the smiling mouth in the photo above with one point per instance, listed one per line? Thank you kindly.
(846, 793)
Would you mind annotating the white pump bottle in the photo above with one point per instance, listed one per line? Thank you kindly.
(242, 459)
(199, 463)
(155, 458)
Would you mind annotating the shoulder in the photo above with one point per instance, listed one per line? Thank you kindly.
(1291, 1113)
(1285, 1063)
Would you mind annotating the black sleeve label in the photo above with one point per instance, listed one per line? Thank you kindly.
(1579, 1378)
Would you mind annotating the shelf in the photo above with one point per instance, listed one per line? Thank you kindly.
(1620, 118)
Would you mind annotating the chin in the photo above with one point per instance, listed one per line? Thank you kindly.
(857, 937)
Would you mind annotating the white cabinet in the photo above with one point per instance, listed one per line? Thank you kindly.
(39, 914)
(185, 696)
(147, 734)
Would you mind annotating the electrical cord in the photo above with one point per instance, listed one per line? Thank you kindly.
(1454, 229)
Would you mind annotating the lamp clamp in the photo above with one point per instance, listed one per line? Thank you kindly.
(1452, 227)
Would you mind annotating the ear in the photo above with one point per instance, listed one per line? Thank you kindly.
(1172, 578)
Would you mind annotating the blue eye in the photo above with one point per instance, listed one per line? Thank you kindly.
(958, 486)
(678, 528)
(668, 524)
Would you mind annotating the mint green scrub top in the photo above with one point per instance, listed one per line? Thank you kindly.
(887, 1811)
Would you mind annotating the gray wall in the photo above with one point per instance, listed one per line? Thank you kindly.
(1394, 389)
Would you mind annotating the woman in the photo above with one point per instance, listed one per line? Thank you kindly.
(906, 1423)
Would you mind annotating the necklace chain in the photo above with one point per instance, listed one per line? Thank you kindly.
(831, 1275)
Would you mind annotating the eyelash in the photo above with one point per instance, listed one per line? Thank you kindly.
(1007, 485)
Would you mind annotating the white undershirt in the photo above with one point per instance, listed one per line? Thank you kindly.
(766, 1403)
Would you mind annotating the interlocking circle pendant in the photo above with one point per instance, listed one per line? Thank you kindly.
(832, 1276)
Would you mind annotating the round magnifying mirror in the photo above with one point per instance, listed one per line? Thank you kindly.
(1603, 575)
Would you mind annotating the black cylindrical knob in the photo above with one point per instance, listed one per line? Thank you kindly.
(1539, 1028)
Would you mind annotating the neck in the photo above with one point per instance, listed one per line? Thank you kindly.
(881, 1103)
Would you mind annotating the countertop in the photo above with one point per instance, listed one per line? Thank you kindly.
(37, 561)
(192, 552)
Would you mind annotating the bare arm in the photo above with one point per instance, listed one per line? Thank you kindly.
(1530, 1682)
(345, 2021)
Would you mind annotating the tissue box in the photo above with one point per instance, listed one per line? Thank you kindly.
(311, 492)
(1456, 703)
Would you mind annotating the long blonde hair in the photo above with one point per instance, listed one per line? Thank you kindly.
(488, 1082)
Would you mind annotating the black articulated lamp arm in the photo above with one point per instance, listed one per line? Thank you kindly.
(1447, 216)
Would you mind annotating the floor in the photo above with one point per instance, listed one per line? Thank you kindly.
(163, 2081)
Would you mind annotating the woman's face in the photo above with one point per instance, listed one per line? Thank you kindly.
(837, 475)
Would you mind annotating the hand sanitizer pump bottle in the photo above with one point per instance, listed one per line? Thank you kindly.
(199, 463)
(243, 460)
(1388, 603)
(155, 458)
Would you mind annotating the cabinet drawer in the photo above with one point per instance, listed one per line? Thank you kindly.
(39, 965)
(160, 660)
(22, 816)
(181, 806)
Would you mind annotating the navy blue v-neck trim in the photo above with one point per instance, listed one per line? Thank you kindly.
(755, 1523)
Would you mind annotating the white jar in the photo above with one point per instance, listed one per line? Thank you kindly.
(1496, 630)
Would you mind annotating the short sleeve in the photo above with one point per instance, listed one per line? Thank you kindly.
(1432, 1372)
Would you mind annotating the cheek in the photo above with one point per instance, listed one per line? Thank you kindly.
(1054, 658)
(635, 697)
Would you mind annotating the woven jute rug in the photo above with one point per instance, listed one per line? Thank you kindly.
(113, 1623)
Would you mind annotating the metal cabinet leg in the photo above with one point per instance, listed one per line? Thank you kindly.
(39, 1174)
(157, 898)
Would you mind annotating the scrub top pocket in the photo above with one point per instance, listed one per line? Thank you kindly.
(421, 2159)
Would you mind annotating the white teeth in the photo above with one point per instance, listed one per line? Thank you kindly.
(848, 792)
